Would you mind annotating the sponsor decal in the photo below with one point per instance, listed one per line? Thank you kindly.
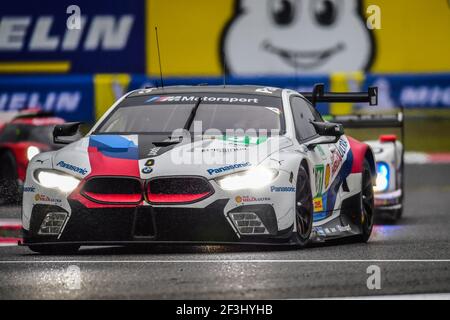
(269, 90)
(274, 110)
(342, 147)
(29, 189)
(154, 151)
(150, 162)
(319, 178)
(45, 198)
(246, 140)
(332, 230)
(327, 176)
(228, 168)
(282, 189)
(338, 154)
(225, 149)
(320, 181)
(244, 199)
(71, 167)
(320, 231)
(147, 170)
(193, 99)
(318, 204)
(322, 153)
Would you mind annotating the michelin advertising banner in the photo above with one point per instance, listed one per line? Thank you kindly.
(67, 36)
(70, 97)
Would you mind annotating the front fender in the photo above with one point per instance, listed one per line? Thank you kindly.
(362, 151)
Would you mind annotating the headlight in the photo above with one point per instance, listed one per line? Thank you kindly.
(56, 180)
(382, 177)
(250, 179)
(32, 151)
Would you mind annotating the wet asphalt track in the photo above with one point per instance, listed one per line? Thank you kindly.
(419, 246)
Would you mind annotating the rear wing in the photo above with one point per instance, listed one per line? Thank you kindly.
(355, 121)
(319, 95)
(369, 120)
(33, 113)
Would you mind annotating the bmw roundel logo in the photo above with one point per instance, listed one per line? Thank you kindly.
(147, 170)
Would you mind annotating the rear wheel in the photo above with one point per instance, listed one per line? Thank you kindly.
(9, 188)
(398, 213)
(303, 207)
(367, 204)
(389, 216)
(54, 249)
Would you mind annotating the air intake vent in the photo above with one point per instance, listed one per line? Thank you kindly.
(113, 190)
(178, 190)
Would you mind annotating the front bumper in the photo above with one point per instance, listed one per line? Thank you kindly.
(389, 200)
(152, 224)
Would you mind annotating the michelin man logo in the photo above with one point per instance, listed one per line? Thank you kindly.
(283, 37)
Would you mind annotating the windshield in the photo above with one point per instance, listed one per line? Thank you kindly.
(164, 114)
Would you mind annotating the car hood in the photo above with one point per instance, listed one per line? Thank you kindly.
(147, 156)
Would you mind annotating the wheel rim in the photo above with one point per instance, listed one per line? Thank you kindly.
(367, 201)
(303, 206)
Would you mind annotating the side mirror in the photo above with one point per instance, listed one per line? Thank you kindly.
(69, 129)
(329, 132)
(328, 128)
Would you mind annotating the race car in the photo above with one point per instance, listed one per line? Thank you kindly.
(389, 155)
(23, 134)
(203, 165)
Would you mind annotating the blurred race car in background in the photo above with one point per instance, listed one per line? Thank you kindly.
(389, 156)
(23, 134)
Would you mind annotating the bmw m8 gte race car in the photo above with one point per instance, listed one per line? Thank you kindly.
(203, 164)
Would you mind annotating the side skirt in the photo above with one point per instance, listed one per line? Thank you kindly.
(346, 224)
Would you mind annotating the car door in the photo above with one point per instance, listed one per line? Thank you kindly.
(303, 113)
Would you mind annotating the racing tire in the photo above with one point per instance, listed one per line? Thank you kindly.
(398, 213)
(303, 208)
(54, 249)
(8, 179)
(367, 204)
(389, 216)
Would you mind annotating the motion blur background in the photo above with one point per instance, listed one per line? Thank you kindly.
(79, 73)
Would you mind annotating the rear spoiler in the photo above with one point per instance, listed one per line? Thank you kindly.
(33, 114)
(319, 95)
(369, 120)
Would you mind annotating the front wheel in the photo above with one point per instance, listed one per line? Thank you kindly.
(303, 207)
(367, 204)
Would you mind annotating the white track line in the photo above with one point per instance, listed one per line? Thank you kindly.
(419, 296)
(227, 261)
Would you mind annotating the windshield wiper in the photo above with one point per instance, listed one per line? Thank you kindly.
(192, 115)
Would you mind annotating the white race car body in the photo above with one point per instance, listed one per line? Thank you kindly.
(133, 188)
(388, 152)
